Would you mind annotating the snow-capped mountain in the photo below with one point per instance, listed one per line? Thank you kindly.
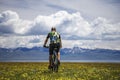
(75, 53)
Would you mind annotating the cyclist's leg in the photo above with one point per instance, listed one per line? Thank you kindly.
(58, 56)
(50, 55)
(58, 53)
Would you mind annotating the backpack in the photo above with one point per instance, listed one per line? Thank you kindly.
(54, 37)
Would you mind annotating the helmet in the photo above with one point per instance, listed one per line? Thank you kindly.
(53, 29)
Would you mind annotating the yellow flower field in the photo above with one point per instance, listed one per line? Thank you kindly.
(67, 71)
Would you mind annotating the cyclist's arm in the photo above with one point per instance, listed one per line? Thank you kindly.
(46, 40)
(60, 42)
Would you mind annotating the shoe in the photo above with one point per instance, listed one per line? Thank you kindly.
(49, 67)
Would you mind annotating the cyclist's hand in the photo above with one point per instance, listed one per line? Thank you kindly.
(44, 45)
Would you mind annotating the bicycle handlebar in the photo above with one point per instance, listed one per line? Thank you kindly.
(46, 46)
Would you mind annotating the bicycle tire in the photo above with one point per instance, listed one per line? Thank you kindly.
(55, 63)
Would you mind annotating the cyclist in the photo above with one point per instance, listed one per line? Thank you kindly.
(55, 42)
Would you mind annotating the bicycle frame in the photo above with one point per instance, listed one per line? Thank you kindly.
(54, 60)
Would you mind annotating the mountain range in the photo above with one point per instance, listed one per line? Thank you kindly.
(75, 53)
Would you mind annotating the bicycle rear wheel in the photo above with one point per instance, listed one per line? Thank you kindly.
(55, 64)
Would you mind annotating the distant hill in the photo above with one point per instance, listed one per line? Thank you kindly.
(75, 53)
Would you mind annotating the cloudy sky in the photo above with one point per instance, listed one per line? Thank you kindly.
(83, 23)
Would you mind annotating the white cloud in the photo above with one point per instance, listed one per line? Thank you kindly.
(67, 24)
(38, 40)
(70, 25)
(102, 27)
(11, 23)
(21, 41)
(28, 9)
(92, 44)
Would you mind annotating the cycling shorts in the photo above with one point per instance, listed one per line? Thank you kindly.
(53, 47)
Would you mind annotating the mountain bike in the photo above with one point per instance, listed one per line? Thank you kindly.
(54, 60)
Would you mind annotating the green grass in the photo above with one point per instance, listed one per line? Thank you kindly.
(67, 71)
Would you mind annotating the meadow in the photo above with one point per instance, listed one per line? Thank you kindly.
(67, 71)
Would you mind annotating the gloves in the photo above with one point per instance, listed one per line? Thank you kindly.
(44, 45)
